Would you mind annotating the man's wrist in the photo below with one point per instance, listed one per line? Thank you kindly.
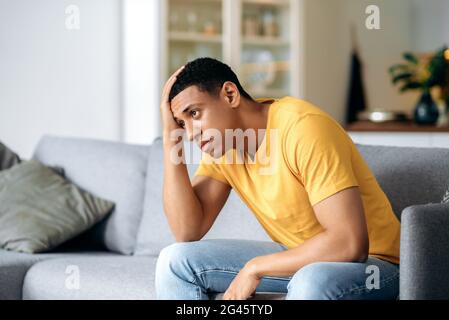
(253, 267)
(170, 136)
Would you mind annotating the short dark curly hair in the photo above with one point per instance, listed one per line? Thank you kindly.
(208, 75)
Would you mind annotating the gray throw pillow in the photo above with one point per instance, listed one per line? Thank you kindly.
(40, 210)
(7, 157)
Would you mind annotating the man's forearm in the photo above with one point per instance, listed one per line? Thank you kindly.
(181, 205)
(322, 247)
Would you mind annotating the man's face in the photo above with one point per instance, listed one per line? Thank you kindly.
(203, 115)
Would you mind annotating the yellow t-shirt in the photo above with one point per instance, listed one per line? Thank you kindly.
(305, 158)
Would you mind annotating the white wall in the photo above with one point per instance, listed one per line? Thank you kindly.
(325, 59)
(141, 70)
(328, 48)
(380, 49)
(430, 27)
(57, 81)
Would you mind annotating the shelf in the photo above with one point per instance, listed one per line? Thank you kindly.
(268, 93)
(393, 126)
(277, 3)
(263, 58)
(279, 66)
(194, 37)
(264, 41)
(183, 2)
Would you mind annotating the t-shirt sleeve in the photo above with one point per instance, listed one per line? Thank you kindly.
(319, 151)
(209, 168)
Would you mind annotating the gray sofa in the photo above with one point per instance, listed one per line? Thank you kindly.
(116, 258)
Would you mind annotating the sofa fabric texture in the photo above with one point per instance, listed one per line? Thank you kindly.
(414, 179)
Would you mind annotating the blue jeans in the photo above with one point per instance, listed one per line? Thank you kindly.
(193, 270)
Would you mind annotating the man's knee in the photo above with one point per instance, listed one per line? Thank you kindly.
(177, 258)
(175, 271)
(313, 282)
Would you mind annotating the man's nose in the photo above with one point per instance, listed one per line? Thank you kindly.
(193, 130)
(189, 130)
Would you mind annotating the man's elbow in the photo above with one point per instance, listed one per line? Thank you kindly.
(360, 256)
(357, 250)
(187, 237)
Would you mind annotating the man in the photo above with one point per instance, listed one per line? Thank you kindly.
(331, 224)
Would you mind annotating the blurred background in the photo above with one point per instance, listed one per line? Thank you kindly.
(95, 68)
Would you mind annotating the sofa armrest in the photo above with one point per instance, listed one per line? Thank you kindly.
(424, 261)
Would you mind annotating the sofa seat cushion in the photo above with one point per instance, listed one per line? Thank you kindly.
(91, 278)
(15, 265)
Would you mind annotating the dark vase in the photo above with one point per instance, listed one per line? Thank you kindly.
(426, 112)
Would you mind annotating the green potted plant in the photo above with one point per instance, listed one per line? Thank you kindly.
(423, 74)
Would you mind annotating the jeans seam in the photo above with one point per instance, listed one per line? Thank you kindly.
(236, 272)
(198, 288)
(199, 273)
(215, 269)
(194, 282)
(383, 284)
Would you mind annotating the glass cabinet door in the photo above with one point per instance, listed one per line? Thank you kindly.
(265, 47)
(194, 29)
(253, 36)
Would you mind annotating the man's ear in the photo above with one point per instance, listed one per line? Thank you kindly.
(231, 94)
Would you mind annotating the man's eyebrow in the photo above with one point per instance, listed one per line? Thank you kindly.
(186, 109)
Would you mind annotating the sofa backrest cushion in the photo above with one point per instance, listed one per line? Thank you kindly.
(409, 175)
(235, 220)
(111, 170)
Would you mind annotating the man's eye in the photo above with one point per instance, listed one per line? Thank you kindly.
(181, 124)
(193, 113)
